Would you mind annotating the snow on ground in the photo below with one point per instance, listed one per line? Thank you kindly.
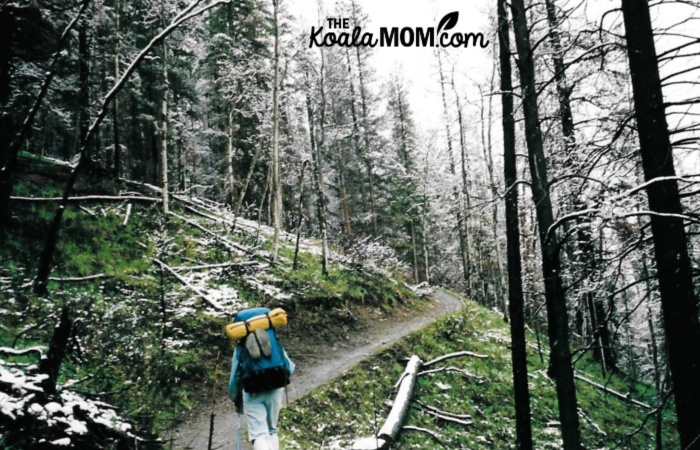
(20, 393)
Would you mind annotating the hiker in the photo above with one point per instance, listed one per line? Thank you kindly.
(260, 371)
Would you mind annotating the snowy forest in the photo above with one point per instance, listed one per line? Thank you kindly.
(164, 163)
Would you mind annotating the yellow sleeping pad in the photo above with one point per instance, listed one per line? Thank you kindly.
(238, 330)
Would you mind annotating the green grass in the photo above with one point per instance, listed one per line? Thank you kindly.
(137, 347)
(356, 404)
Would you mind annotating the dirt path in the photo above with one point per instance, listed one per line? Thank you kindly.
(316, 365)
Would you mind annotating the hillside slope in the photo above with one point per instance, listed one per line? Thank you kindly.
(356, 404)
(144, 298)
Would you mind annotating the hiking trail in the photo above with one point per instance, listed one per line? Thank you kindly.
(315, 367)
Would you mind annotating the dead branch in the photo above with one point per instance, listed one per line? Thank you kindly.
(224, 241)
(590, 421)
(201, 213)
(453, 355)
(447, 418)
(38, 350)
(89, 198)
(201, 294)
(464, 372)
(127, 215)
(444, 413)
(79, 279)
(619, 395)
(216, 266)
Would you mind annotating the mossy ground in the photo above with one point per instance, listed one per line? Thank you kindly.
(356, 404)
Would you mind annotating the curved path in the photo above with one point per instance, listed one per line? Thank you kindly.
(327, 363)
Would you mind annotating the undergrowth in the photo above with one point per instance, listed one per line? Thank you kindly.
(141, 341)
(356, 404)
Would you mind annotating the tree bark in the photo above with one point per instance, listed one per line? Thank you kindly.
(276, 182)
(115, 107)
(557, 315)
(164, 133)
(84, 85)
(300, 213)
(678, 301)
(465, 188)
(516, 304)
(51, 365)
(318, 186)
(390, 430)
(230, 181)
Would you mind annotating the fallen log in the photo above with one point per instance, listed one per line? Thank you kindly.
(368, 443)
(619, 395)
(201, 294)
(390, 430)
(226, 242)
(394, 421)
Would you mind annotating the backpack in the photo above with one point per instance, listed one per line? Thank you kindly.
(261, 359)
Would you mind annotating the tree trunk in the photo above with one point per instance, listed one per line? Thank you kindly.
(8, 153)
(414, 251)
(276, 184)
(453, 170)
(523, 426)
(44, 266)
(557, 315)
(498, 276)
(164, 133)
(343, 190)
(51, 365)
(465, 189)
(601, 333)
(318, 184)
(115, 107)
(367, 158)
(300, 213)
(678, 302)
(355, 125)
(248, 177)
(230, 181)
(84, 86)
(424, 242)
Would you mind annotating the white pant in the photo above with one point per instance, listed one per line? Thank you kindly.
(262, 411)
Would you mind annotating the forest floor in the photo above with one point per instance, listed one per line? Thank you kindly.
(318, 362)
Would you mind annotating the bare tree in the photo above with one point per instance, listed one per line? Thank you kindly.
(561, 369)
(516, 307)
(678, 301)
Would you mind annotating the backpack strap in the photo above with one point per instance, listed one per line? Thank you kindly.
(269, 321)
(247, 327)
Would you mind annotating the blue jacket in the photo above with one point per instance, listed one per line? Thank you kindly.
(234, 383)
